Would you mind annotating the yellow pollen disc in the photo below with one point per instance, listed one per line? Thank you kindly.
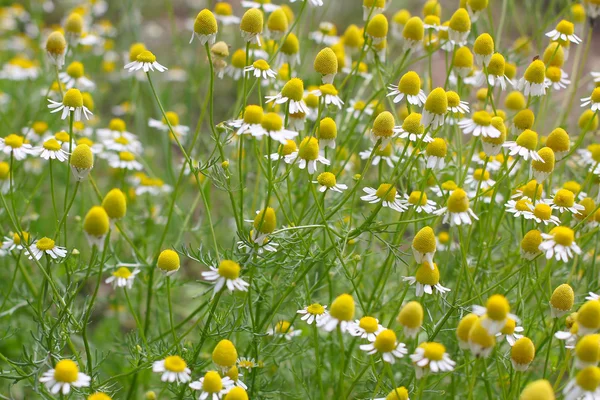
(531, 241)
(39, 127)
(497, 307)
(433, 351)
(588, 378)
(168, 260)
(343, 308)
(482, 118)
(538, 390)
(509, 328)
(378, 26)
(596, 95)
(523, 205)
(289, 147)
(212, 382)
(460, 21)
(565, 27)
(542, 211)
(515, 101)
(122, 272)
(44, 244)
(253, 114)
(449, 185)
(73, 98)
(327, 129)
(74, 24)
(99, 396)
(554, 74)
(479, 335)
(410, 83)
(14, 141)
(326, 62)
(463, 58)
(414, 29)
(126, 156)
(477, 5)
(56, 43)
(484, 44)
(400, 393)
(424, 240)
(236, 393)
(588, 120)
(458, 201)
(386, 192)
(146, 57)
(233, 373)
(309, 148)
(547, 155)
(122, 140)
(223, 8)
(437, 102)
(17, 238)
(411, 315)
(465, 325)
(238, 59)
(82, 157)
(496, 65)
(66, 371)
(229, 269)
(524, 119)
(563, 297)
(523, 351)
(528, 139)
(588, 347)
(293, 89)
(386, 151)
(369, 324)
(536, 72)
(427, 276)
(417, 197)
(252, 21)
(315, 309)
(261, 64)
(75, 69)
(283, 327)
(225, 353)
(205, 23)
(328, 89)
(326, 179)
(563, 235)
(481, 175)
(444, 237)
(385, 341)
(453, 98)
(96, 222)
(559, 141)
(412, 124)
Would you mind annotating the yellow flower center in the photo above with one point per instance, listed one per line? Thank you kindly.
(96, 222)
(52, 145)
(115, 204)
(542, 211)
(378, 26)
(449, 185)
(563, 235)
(417, 197)
(369, 324)
(427, 276)
(261, 64)
(523, 351)
(212, 382)
(385, 152)
(458, 201)
(484, 44)
(252, 21)
(588, 347)
(563, 297)
(309, 149)
(44, 244)
(289, 147)
(479, 335)
(410, 83)
(126, 156)
(531, 241)
(536, 72)
(73, 98)
(433, 351)
(414, 29)
(66, 371)
(460, 21)
(56, 43)
(74, 23)
(326, 179)
(565, 27)
(465, 325)
(596, 95)
(528, 139)
(412, 124)
(496, 65)
(554, 74)
(39, 127)
(222, 8)
(343, 308)
(14, 141)
(482, 118)
(437, 102)
(509, 328)
(589, 378)
(146, 57)
(559, 141)
(238, 59)
(17, 238)
(168, 260)
(122, 272)
(463, 58)
(515, 101)
(205, 23)
(272, 122)
(315, 309)
(229, 269)
(400, 393)
(283, 327)
(293, 89)
(225, 353)
(326, 62)
(386, 192)
(385, 341)
(411, 315)
(480, 175)
(547, 165)
(75, 70)
(327, 129)
(497, 307)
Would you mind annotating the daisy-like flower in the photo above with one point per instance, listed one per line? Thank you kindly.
(570, 336)
(327, 133)
(125, 160)
(47, 246)
(14, 242)
(384, 129)
(52, 150)
(463, 329)
(479, 178)
(285, 330)
(459, 27)
(411, 318)
(510, 331)
(56, 48)
(534, 83)
(326, 64)
(224, 14)
(522, 353)
(593, 100)
(327, 34)
(238, 62)
(251, 123)
(292, 93)
(173, 369)
(585, 385)
(327, 181)
(313, 313)
(483, 48)
(457, 210)
(530, 244)
(432, 22)
(412, 129)
(431, 356)
(495, 73)
(261, 69)
(524, 146)
(564, 200)
(495, 315)
(426, 278)
(72, 103)
(251, 24)
(128, 143)
(235, 376)
(386, 194)
(330, 95)
(152, 186)
(436, 152)
(74, 77)
(145, 61)
(168, 262)
(455, 104)
(557, 78)
(123, 277)
(542, 213)
(16, 145)
(173, 119)
(63, 376)
(479, 124)
(435, 108)
(419, 201)
(205, 27)
(424, 246)
(226, 274)
(366, 328)
(409, 86)
(386, 344)
(562, 300)
(340, 314)
(307, 155)
(386, 154)
(358, 108)
(246, 363)
(413, 34)
(480, 341)
(564, 31)
(560, 244)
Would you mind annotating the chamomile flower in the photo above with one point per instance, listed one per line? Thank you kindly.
(557, 78)
(386, 194)
(543, 165)
(46, 246)
(542, 213)
(326, 34)
(224, 14)
(52, 150)
(251, 123)
(432, 23)
(530, 244)
(524, 146)
(386, 344)
(14, 242)
(235, 376)
(122, 277)
(96, 226)
(373, 7)
(593, 101)
(313, 313)
(585, 385)
(493, 146)
(74, 77)
(63, 376)
(424, 246)
(483, 47)
(564, 31)
(327, 133)
(558, 140)
(560, 244)
(265, 223)
(409, 86)
(212, 386)
(563, 201)
(226, 274)
(327, 181)
(413, 129)
(436, 152)
(125, 160)
(413, 34)
(366, 328)
(457, 210)
(151, 186)
(418, 200)
(431, 356)
(261, 69)
(145, 61)
(377, 29)
(538, 390)
(562, 300)
(479, 178)
(329, 94)
(534, 83)
(340, 314)
(238, 62)
(291, 94)
(495, 315)
(522, 353)
(307, 155)
(246, 363)
(251, 24)
(285, 330)
(56, 48)
(459, 27)
(82, 161)
(496, 76)
(72, 104)
(510, 331)
(384, 128)
(481, 342)
(480, 124)
(172, 369)
(435, 108)
(426, 278)
(411, 318)
(205, 27)
(15, 145)
(326, 64)
(386, 154)
(463, 329)
(173, 119)
(168, 262)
